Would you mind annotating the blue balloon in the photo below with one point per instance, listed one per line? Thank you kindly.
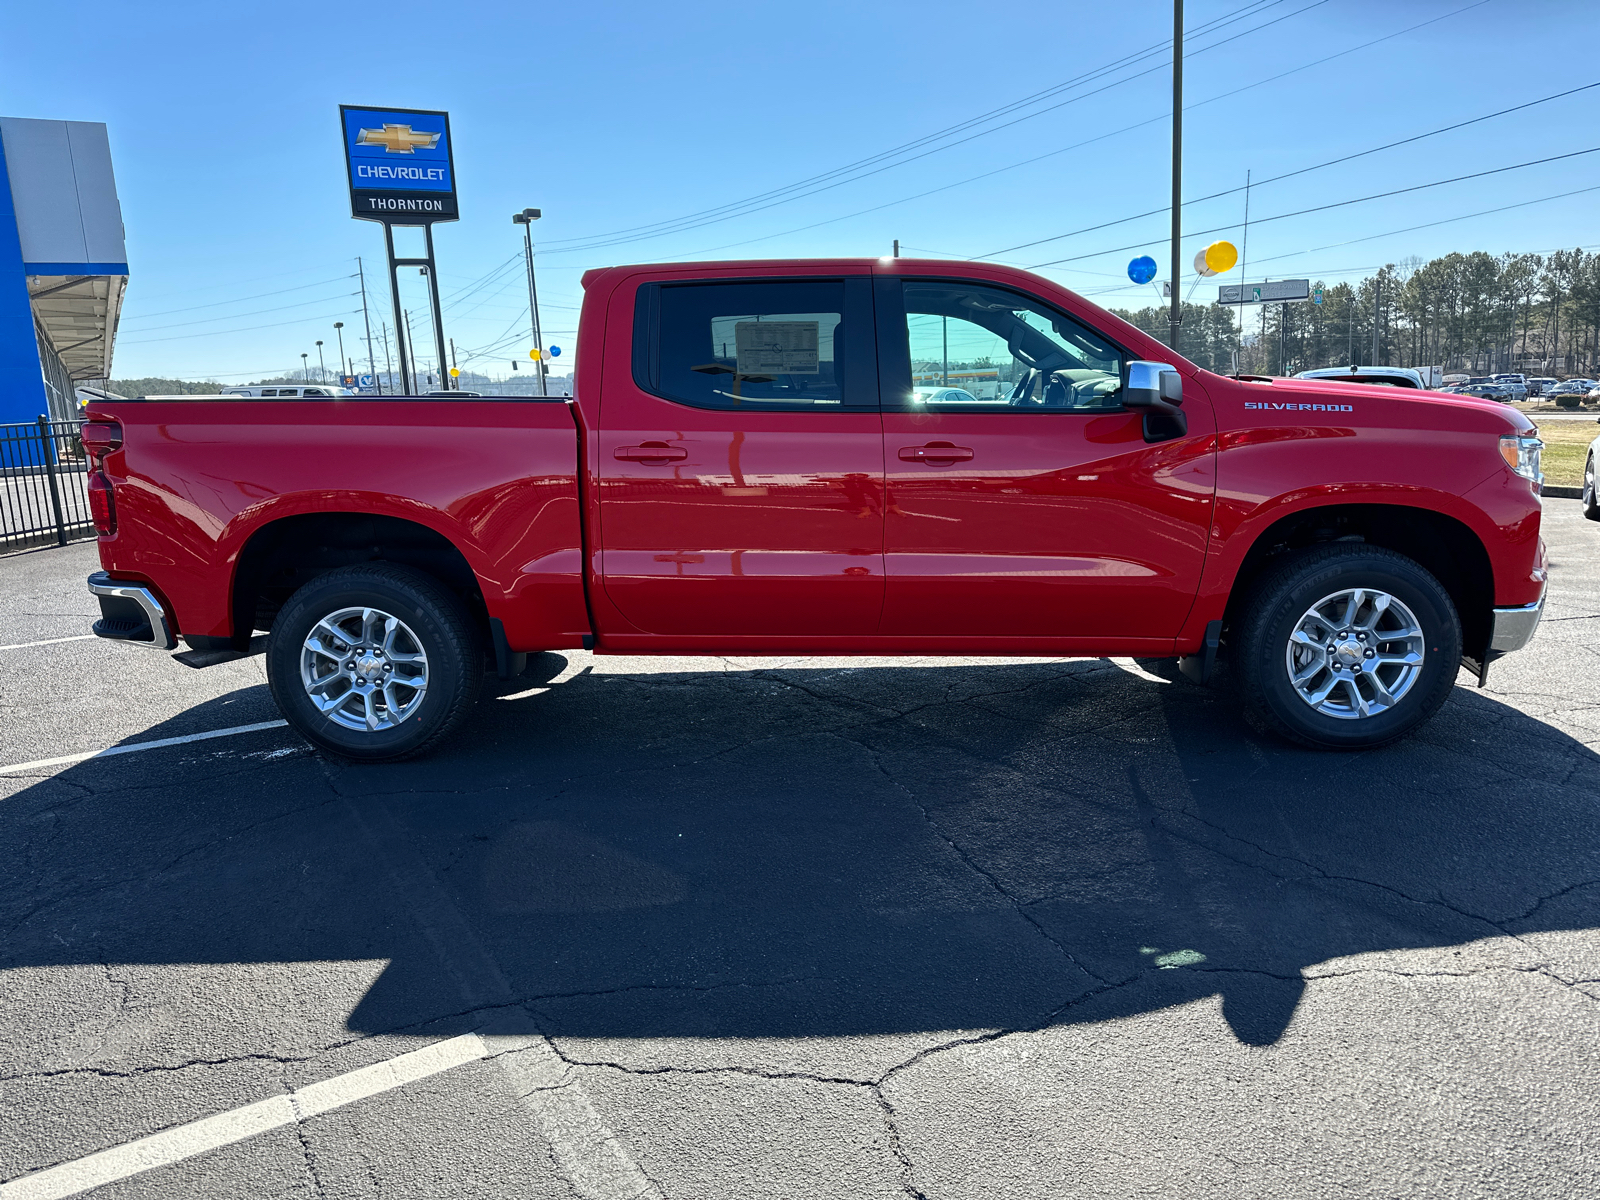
(555, 351)
(1142, 269)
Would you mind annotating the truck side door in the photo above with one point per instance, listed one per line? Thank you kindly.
(741, 459)
(1029, 505)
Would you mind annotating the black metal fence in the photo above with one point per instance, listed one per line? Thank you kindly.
(44, 476)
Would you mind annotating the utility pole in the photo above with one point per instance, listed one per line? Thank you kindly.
(388, 363)
(361, 270)
(1377, 314)
(1175, 317)
(526, 218)
(416, 384)
(455, 380)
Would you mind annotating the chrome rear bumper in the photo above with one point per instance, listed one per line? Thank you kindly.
(130, 613)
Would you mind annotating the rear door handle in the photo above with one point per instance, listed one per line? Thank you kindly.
(935, 453)
(650, 452)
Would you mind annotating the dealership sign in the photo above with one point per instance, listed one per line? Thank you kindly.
(401, 165)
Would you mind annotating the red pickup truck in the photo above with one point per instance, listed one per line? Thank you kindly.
(771, 458)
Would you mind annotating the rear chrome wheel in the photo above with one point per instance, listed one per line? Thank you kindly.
(1355, 653)
(364, 669)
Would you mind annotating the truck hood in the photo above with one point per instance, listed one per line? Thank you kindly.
(1425, 409)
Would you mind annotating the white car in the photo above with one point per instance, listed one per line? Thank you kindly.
(1591, 500)
(1382, 376)
(925, 396)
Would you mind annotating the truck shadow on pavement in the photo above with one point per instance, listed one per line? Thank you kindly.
(712, 851)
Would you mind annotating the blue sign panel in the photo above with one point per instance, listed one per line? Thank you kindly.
(402, 169)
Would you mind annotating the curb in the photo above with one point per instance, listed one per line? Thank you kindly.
(1562, 493)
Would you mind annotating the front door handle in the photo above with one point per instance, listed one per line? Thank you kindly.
(935, 452)
(650, 452)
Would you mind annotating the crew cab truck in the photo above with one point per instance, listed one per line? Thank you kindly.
(746, 468)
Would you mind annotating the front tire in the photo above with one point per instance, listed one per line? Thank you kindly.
(1591, 501)
(374, 663)
(1347, 647)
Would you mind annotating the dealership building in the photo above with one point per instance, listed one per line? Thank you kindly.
(63, 264)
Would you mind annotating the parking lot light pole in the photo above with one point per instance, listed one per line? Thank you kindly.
(305, 367)
(322, 367)
(526, 218)
(338, 328)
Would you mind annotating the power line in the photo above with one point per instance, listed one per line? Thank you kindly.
(1034, 97)
(238, 299)
(1088, 142)
(247, 329)
(1302, 170)
(1336, 204)
(684, 224)
(235, 316)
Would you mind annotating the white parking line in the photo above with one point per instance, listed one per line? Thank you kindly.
(209, 1133)
(67, 759)
(82, 637)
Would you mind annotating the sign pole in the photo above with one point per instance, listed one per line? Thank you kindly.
(438, 314)
(399, 313)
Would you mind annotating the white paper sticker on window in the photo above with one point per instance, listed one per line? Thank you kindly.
(777, 347)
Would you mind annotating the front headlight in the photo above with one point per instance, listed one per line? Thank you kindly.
(1521, 452)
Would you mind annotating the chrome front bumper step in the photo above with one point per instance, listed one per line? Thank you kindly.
(130, 613)
(1513, 627)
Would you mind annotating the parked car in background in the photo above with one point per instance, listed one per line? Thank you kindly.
(1540, 385)
(1485, 391)
(298, 392)
(1518, 389)
(1404, 377)
(1571, 393)
(928, 396)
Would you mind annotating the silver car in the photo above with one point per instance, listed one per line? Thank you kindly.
(1591, 500)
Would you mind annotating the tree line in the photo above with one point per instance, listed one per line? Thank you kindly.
(1476, 313)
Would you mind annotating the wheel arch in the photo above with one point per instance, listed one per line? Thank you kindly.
(284, 554)
(1443, 545)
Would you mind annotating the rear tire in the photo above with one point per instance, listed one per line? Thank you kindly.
(1347, 647)
(1591, 501)
(374, 663)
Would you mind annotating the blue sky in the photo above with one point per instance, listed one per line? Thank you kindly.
(612, 117)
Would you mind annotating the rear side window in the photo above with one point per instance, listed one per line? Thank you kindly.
(757, 345)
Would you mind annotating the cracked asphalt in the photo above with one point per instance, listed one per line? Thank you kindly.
(809, 928)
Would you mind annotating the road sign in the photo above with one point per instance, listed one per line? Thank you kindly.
(1316, 296)
(401, 165)
(1278, 291)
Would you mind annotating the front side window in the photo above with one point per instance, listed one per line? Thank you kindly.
(983, 348)
(755, 346)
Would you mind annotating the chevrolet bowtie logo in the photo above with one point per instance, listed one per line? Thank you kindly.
(398, 139)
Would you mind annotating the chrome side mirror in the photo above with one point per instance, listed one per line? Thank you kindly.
(1153, 385)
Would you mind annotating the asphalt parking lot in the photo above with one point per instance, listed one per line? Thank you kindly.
(803, 928)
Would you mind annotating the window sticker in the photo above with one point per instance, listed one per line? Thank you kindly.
(777, 347)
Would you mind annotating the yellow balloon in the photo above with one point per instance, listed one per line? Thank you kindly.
(1220, 256)
(533, 354)
(454, 374)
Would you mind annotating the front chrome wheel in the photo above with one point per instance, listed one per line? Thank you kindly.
(364, 669)
(1355, 653)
